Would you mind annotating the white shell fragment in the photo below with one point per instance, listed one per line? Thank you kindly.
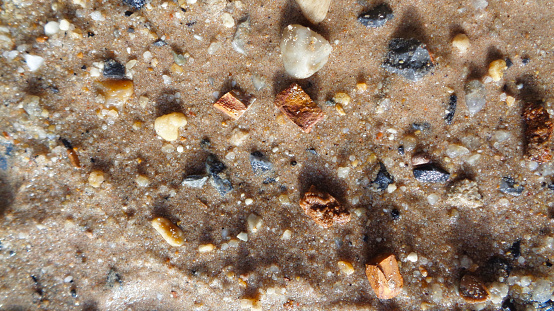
(314, 10)
(303, 51)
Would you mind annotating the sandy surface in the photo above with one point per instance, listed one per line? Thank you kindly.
(66, 245)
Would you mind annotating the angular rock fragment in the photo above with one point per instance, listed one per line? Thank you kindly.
(314, 10)
(195, 181)
(241, 35)
(508, 185)
(260, 164)
(234, 103)
(304, 52)
(323, 208)
(384, 277)
(113, 69)
(430, 173)
(465, 193)
(475, 96)
(451, 109)
(377, 16)
(472, 289)
(408, 58)
(137, 4)
(383, 178)
(538, 133)
(299, 107)
(219, 179)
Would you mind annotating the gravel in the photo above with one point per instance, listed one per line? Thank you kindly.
(218, 179)
(113, 69)
(508, 185)
(260, 164)
(408, 58)
(376, 17)
(383, 179)
(195, 181)
(430, 173)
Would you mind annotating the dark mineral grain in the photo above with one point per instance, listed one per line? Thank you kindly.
(113, 69)
(508, 185)
(218, 179)
(383, 179)
(377, 16)
(137, 4)
(260, 164)
(451, 109)
(430, 173)
(408, 58)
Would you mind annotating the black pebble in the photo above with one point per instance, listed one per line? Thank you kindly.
(293, 163)
(205, 143)
(509, 186)
(383, 179)
(128, 13)
(401, 150)
(421, 126)
(408, 58)
(508, 305)
(90, 34)
(160, 42)
(551, 186)
(312, 151)
(515, 249)
(73, 293)
(546, 306)
(525, 60)
(451, 109)
(395, 214)
(260, 164)
(509, 62)
(66, 143)
(430, 173)
(218, 179)
(113, 69)
(137, 4)
(269, 180)
(377, 16)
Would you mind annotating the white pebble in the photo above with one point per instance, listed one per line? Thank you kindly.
(342, 172)
(475, 96)
(243, 236)
(64, 25)
(286, 235)
(33, 62)
(254, 223)
(432, 199)
(206, 248)
(142, 181)
(412, 257)
(455, 150)
(227, 20)
(304, 52)
(97, 16)
(51, 28)
(248, 201)
(68, 279)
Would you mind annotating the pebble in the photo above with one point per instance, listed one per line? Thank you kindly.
(116, 92)
(475, 96)
(465, 193)
(260, 164)
(408, 58)
(314, 10)
(376, 17)
(383, 178)
(342, 98)
(172, 234)
(51, 28)
(238, 137)
(227, 20)
(385, 278)
(286, 235)
(412, 257)
(96, 178)
(218, 179)
(451, 109)
(345, 267)
(432, 199)
(241, 36)
(461, 43)
(508, 185)
(430, 173)
(254, 223)
(137, 4)
(34, 62)
(64, 25)
(167, 126)
(142, 181)
(206, 248)
(113, 69)
(304, 52)
(456, 150)
(195, 181)
(243, 236)
(497, 68)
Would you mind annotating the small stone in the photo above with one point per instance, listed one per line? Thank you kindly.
(342, 98)
(64, 25)
(116, 92)
(408, 58)
(465, 193)
(241, 36)
(142, 181)
(508, 185)
(195, 181)
(456, 150)
(96, 178)
(137, 4)
(51, 28)
(384, 277)
(286, 235)
(475, 96)
(412, 257)
(340, 110)
(227, 20)
(497, 68)
(296, 105)
(254, 223)
(383, 178)
(214, 47)
(304, 52)
(113, 69)
(234, 103)
(461, 43)
(34, 62)
(172, 234)
(430, 173)
(167, 126)
(361, 87)
(345, 267)
(376, 17)
(451, 109)
(538, 133)
(260, 164)
(480, 4)
(323, 208)
(238, 137)
(342, 172)
(219, 179)
(243, 236)
(472, 289)
(206, 248)
(314, 10)
(421, 126)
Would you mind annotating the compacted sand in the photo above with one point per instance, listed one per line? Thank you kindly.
(71, 242)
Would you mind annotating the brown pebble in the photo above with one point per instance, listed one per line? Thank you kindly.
(420, 159)
(384, 277)
(472, 289)
(538, 132)
(323, 208)
(73, 158)
(234, 104)
(299, 107)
